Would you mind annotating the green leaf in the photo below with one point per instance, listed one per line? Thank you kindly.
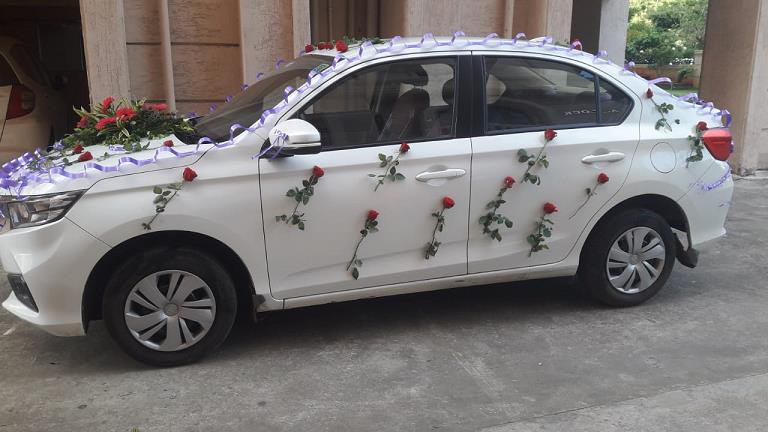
(523, 158)
(508, 223)
(157, 199)
(290, 193)
(522, 153)
(157, 189)
(382, 165)
(544, 163)
(483, 220)
(301, 226)
(399, 176)
(355, 273)
(166, 193)
(392, 171)
(359, 262)
(382, 157)
(277, 218)
(371, 175)
(305, 183)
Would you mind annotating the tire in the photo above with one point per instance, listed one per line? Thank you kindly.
(200, 327)
(603, 272)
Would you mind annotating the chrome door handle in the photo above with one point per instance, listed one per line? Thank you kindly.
(605, 157)
(447, 173)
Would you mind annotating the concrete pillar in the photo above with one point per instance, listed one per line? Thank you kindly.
(261, 24)
(734, 74)
(300, 24)
(614, 20)
(106, 56)
(602, 25)
(543, 18)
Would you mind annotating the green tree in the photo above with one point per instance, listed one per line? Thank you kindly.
(665, 31)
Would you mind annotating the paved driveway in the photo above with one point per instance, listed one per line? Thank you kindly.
(517, 357)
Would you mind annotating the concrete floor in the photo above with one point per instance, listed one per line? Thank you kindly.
(519, 357)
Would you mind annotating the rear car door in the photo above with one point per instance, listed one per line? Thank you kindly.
(597, 128)
(369, 111)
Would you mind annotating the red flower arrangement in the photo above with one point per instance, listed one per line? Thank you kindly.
(434, 245)
(85, 157)
(390, 163)
(341, 46)
(370, 226)
(77, 149)
(540, 159)
(168, 143)
(493, 216)
(543, 230)
(602, 178)
(308, 48)
(106, 104)
(164, 195)
(301, 196)
(82, 123)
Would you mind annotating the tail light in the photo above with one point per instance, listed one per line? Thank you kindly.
(21, 102)
(719, 142)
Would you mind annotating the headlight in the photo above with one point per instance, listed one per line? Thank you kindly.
(37, 210)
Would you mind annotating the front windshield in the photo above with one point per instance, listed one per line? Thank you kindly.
(246, 107)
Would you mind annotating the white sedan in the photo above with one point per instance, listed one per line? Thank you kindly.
(410, 165)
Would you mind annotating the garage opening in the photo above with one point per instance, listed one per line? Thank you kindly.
(42, 73)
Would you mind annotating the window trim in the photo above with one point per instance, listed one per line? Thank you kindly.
(482, 129)
(460, 67)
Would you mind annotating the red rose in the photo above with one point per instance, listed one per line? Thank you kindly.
(550, 134)
(85, 157)
(341, 46)
(101, 124)
(189, 174)
(317, 171)
(509, 181)
(308, 48)
(549, 208)
(106, 103)
(83, 122)
(448, 202)
(702, 126)
(404, 147)
(603, 178)
(168, 143)
(125, 113)
(649, 93)
(372, 215)
(77, 149)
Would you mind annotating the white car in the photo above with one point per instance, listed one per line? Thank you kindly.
(473, 111)
(32, 113)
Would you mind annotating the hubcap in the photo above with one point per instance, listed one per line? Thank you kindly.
(636, 260)
(170, 310)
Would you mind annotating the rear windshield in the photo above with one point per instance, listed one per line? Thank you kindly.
(247, 107)
(7, 77)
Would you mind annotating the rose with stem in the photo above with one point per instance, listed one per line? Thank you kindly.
(543, 231)
(371, 226)
(163, 196)
(301, 196)
(602, 178)
(492, 216)
(697, 149)
(539, 160)
(390, 163)
(433, 245)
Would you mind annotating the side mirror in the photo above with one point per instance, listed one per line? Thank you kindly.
(295, 137)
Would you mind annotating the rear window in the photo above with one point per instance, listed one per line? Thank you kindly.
(7, 77)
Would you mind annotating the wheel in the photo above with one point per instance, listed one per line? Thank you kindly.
(170, 306)
(628, 258)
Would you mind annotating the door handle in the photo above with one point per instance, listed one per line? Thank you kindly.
(446, 173)
(605, 157)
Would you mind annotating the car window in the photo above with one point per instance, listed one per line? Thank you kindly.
(526, 93)
(614, 103)
(397, 101)
(7, 77)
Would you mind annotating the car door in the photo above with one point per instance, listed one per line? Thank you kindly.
(364, 116)
(597, 132)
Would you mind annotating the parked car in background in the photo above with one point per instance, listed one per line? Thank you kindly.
(437, 141)
(32, 114)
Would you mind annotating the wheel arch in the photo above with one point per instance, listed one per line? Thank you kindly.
(97, 280)
(664, 206)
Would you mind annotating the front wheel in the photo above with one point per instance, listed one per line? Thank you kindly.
(628, 258)
(170, 306)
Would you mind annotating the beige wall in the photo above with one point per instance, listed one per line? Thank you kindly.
(734, 74)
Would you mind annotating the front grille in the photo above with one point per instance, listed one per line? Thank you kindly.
(21, 291)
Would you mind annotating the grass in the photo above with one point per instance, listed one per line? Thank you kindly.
(683, 91)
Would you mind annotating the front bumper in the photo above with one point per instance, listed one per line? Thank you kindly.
(55, 261)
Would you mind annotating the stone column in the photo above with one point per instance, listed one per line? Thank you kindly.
(734, 74)
(614, 20)
(106, 58)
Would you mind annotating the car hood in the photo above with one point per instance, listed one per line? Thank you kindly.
(19, 178)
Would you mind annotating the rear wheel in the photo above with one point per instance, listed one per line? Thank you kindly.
(170, 306)
(628, 258)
